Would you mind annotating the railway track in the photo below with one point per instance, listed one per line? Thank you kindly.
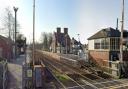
(74, 82)
(58, 84)
(88, 76)
(88, 79)
(75, 75)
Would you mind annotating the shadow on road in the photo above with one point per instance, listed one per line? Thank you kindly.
(12, 84)
(15, 73)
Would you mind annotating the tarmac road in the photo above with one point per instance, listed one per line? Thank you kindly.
(15, 73)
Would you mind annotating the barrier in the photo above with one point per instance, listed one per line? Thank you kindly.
(3, 74)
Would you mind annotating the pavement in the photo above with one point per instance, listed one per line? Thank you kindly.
(15, 73)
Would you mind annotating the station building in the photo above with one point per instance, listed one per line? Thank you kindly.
(104, 48)
(61, 42)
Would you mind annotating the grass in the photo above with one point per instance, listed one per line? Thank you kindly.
(61, 77)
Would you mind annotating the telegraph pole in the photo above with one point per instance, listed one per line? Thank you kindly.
(15, 9)
(33, 52)
(121, 37)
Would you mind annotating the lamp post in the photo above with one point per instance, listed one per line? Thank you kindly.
(78, 37)
(15, 10)
(78, 40)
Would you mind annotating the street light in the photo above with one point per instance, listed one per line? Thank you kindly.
(15, 10)
(78, 40)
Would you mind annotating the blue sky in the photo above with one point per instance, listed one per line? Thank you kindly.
(85, 17)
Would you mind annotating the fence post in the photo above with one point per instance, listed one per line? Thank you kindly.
(3, 76)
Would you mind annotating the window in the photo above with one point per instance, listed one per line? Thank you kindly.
(106, 44)
(102, 43)
(114, 43)
(97, 44)
(117, 43)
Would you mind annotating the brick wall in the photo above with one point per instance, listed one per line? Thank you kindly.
(100, 57)
(6, 49)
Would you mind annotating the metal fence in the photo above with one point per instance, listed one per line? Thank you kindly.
(3, 74)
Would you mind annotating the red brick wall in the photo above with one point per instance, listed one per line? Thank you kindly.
(6, 49)
(100, 57)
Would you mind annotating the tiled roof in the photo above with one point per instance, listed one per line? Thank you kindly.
(107, 32)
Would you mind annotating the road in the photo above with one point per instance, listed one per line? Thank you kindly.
(15, 73)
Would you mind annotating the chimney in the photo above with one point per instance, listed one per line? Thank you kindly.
(117, 24)
(58, 30)
(65, 30)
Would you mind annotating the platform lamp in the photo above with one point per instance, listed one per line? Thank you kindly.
(15, 10)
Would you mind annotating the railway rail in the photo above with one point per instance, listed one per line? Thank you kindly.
(75, 83)
(88, 76)
(73, 74)
(88, 79)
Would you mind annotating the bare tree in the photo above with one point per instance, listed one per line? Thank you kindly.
(8, 21)
(50, 35)
(46, 40)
